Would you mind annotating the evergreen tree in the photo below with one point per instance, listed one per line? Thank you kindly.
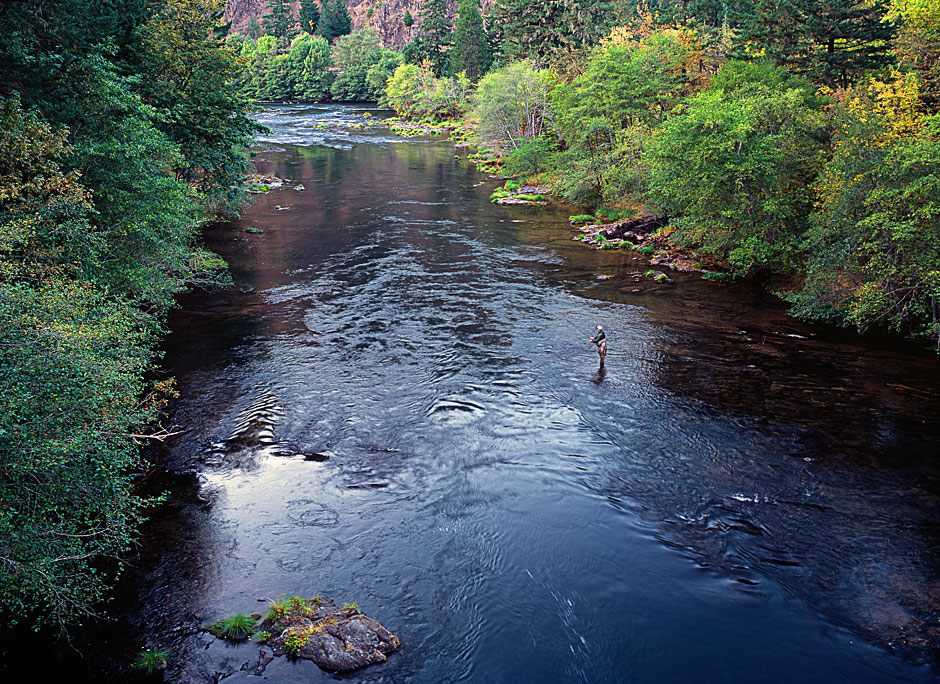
(342, 22)
(334, 20)
(309, 15)
(541, 29)
(434, 37)
(407, 20)
(832, 41)
(279, 22)
(471, 53)
(254, 29)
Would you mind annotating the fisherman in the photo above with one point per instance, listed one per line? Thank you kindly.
(600, 339)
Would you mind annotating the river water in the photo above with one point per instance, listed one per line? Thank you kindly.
(738, 497)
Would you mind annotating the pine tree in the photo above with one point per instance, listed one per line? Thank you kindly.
(541, 29)
(279, 22)
(434, 37)
(471, 53)
(407, 20)
(342, 22)
(334, 20)
(309, 15)
(833, 41)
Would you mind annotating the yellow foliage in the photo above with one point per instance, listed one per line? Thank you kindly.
(895, 103)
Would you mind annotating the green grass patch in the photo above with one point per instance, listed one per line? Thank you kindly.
(512, 185)
(660, 277)
(531, 198)
(151, 660)
(608, 214)
(582, 218)
(647, 250)
(718, 277)
(237, 626)
(251, 229)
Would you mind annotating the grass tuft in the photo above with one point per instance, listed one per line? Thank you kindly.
(237, 626)
(151, 660)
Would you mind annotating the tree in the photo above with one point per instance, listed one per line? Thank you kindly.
(434, 35)
(279, 21)
(545, 30)
(414, 91)
(470, 53)
(309, 16)
(873, 251)
(831, 41)
(191, 74)
(407, 19)
(633, 80)
(918, 44)
(512, 104)
(334, 20)
(734, 167)
(254, 30)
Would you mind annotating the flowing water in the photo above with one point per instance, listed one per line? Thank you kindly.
(397, 405)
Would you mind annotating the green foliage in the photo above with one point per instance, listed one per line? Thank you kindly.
(309, 16)
(545, 30)
(530, 157)
(471, 51)
(151, 660)
(413, 91)
(236, 627)
(874, 246)
(434, 37)
(511, 185)
(718, 276)
(407, 19)
(832, 41)
(582, 218)
(311, 60)
(296, 640)
(918, 43)
(279, 22)
(190, 74)
(365, 66)
(351, 606)
(109, 158)
(734, 168)
(605, 116)
(512, 105)
(334, 20)
(277, 609)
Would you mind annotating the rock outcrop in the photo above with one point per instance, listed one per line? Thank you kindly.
(336, 639)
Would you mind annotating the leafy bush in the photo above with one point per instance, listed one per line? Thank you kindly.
(413, 91)
(741, 191)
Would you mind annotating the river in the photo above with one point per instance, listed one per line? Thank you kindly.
(737, 497)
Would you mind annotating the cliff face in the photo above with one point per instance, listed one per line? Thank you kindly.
(386, 16)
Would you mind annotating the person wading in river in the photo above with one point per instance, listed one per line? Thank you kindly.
(600, 339)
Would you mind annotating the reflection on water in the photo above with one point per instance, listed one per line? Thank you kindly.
(398, 406)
